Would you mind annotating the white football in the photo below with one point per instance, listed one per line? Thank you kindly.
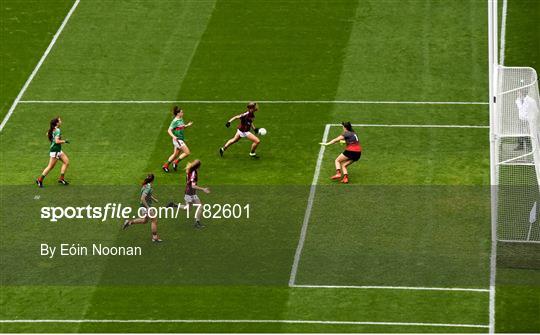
(262, 131)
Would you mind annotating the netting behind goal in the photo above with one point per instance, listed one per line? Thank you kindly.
(516, 129)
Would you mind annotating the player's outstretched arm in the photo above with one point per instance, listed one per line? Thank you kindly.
(200, 188)
(236, 117)
(335, 140)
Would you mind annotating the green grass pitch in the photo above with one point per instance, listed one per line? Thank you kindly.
(416, 213)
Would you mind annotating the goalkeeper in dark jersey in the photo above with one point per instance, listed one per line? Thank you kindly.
(244, 130)
(352, 153)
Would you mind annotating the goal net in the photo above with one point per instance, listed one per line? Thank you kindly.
(516, 131)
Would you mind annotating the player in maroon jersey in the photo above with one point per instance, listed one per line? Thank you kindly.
(190, 196)
(352, 152)
(244, 130)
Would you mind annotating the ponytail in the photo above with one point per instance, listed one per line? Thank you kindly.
(193, 165)
(148, 179)
(52, 125)
(347, 126)
(251, 106)
(176, 110)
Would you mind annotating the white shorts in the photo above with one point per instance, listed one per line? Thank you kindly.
(242, 133)
(56, 155)
(191, 198)
(178, 143)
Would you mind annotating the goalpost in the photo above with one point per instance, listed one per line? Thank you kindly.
(515, 128)
(514, 146)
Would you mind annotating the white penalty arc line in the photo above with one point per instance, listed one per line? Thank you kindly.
(38, 66)
(411, 288)
(323, 322)
(345, 102)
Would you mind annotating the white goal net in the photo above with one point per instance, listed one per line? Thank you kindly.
(517, 149)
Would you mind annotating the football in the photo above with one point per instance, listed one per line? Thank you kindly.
(262, 131)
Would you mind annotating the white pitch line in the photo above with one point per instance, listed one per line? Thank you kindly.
(413, 125)
(38, 66)
(307, 214)
(412, 288)
(492, 281)
(324, 322)
(503, 32)
(351, 102)
(493, 267)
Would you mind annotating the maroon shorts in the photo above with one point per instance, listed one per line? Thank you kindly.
(352, 155)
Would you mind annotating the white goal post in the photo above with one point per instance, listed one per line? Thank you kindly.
(515, 127)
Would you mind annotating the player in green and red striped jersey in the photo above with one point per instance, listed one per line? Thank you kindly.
(55, 152)
(176, 131)
(352, 153)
